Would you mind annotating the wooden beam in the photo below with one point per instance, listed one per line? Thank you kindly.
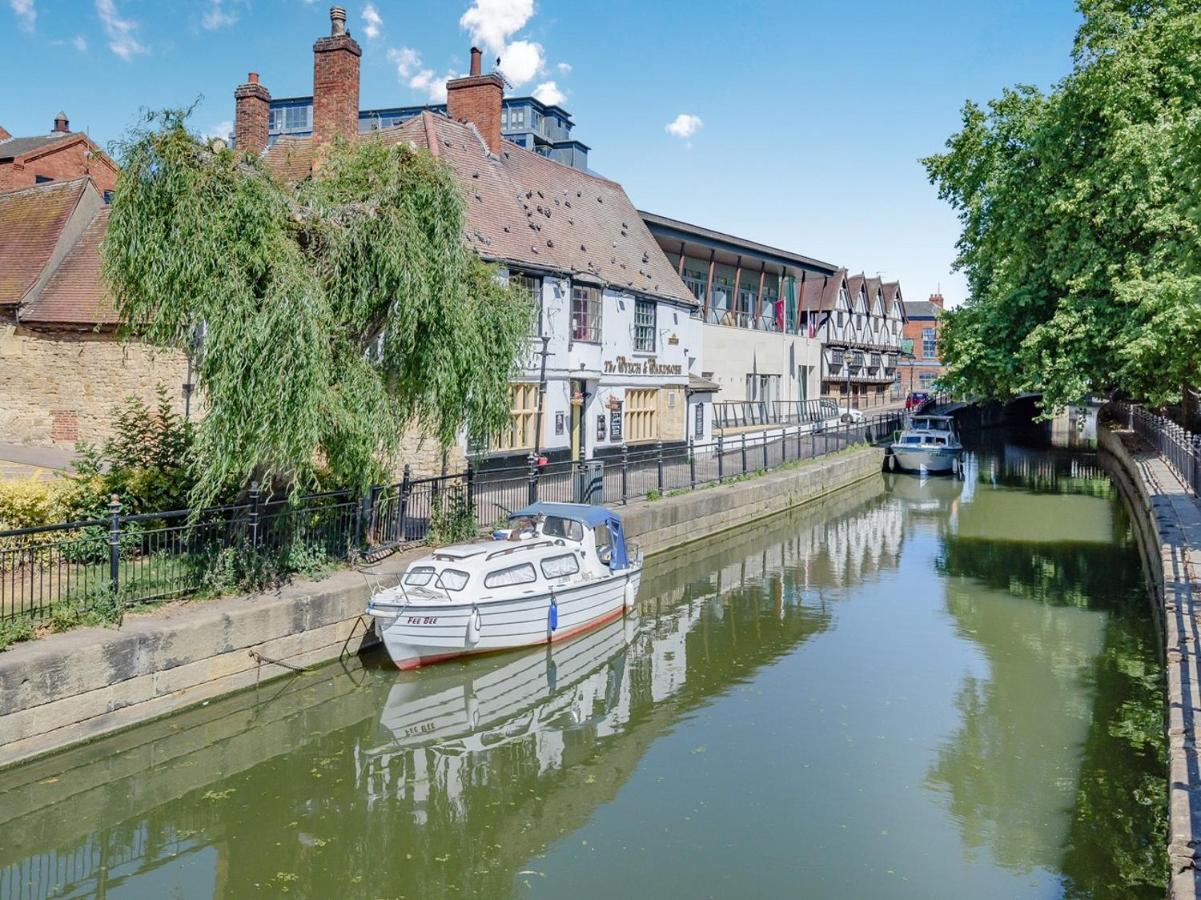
(736, 301)
(709, 284)
(681, 259)
(762, 282)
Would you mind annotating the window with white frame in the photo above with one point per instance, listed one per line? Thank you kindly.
(532, 285)
(586, 314)
(644, 325)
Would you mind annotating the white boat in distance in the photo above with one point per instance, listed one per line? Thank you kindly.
(929, 445)
(560, 569)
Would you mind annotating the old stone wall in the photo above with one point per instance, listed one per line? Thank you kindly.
(69, 688)
(57, 387)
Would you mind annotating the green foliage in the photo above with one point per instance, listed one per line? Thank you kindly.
(653, 494)
(147, 463)
(1080, 218)
(336, 313)
(14, 630)
(452, 520)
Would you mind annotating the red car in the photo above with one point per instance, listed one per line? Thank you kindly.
(916, 400)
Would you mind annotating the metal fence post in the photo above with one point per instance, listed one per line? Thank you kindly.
(471, 486)
(765, 464)
(255, 497)
(402, 512)
(692, 466)
(625, 474)
(659, 463)
(744, 453)
(533, 476)
(114, 544)
(720, 455)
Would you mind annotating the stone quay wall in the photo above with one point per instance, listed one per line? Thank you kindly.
(1167, 519)
(74, 687)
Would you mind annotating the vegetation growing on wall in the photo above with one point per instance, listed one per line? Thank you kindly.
(333, 315)
(1080, 218)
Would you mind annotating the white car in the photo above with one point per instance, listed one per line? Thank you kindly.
(847, 414)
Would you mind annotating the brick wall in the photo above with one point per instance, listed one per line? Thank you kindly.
(252, 103)
(61, 164)
(477, 99)
(335, 88)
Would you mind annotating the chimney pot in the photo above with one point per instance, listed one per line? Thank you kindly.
(252, 78)
(476, 54)
(337, 21)
(61, 124)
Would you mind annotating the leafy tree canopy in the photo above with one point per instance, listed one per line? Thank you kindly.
(1080, 214)
(336, 314)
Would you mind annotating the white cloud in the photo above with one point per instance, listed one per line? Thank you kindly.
(410, 71)
(564, 68)
(493, 22)
(406, 59)
(374, 24)
(119, 31)
(684, 126)
(521, 62)
(548, 92)
(26, 13)
(80, 43)
(223, 130)
(217, 16)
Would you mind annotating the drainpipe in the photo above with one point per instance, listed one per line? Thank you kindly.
(542, 377)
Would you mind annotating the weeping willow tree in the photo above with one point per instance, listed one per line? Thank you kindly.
(337, 314)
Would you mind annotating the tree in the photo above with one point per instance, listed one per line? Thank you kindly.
(337, 313)
(1080, 218)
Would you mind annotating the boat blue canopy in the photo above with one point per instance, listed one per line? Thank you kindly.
(591, 516)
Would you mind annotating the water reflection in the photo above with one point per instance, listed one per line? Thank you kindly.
(914, 689)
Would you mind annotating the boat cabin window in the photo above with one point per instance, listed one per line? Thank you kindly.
(560, 566)
(521, 528)
(453, 579)
(419, 576)
(941, 441)
(604, 544)
(522, 574)
(912, 439)
(556, 526)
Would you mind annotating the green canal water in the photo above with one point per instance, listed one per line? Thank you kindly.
(915, 689)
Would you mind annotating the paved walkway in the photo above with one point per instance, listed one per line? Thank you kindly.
(1176, 514)
(18, 461)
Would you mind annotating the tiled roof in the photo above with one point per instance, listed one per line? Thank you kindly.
(819, 293)
(526, 209)
(19, 146)
(31, 221)
(922, 309)
(892, 290)
(76, 293)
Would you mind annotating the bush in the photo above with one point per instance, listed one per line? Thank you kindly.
(452, 520)
(29, 503)
(14, 630)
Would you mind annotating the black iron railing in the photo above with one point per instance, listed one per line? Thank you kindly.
(1179, 446)
(129, 559)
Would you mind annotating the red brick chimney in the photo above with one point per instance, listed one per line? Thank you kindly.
(61, 125)
(335, 82)
(252, 103)
(477, 99)
(936, 299)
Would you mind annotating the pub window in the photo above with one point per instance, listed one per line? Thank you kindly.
(523, 418)
(586, 314)
(642, 415)
(644, 325)
(532, 285)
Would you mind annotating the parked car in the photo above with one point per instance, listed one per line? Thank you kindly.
(916, 400)
(849, 414)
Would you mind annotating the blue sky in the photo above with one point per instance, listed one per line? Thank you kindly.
(798, 124)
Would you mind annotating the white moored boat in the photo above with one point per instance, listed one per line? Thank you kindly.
(930, 445)
(559, 570)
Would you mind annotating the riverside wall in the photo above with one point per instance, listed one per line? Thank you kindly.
(70, 688)
(1167, 520)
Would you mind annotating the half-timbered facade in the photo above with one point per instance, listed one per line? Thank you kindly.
(859, 322)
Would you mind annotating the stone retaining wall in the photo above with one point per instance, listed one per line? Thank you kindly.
(77, 686)
(1168, 521)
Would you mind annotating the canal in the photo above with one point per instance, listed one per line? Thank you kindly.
(913, 689)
